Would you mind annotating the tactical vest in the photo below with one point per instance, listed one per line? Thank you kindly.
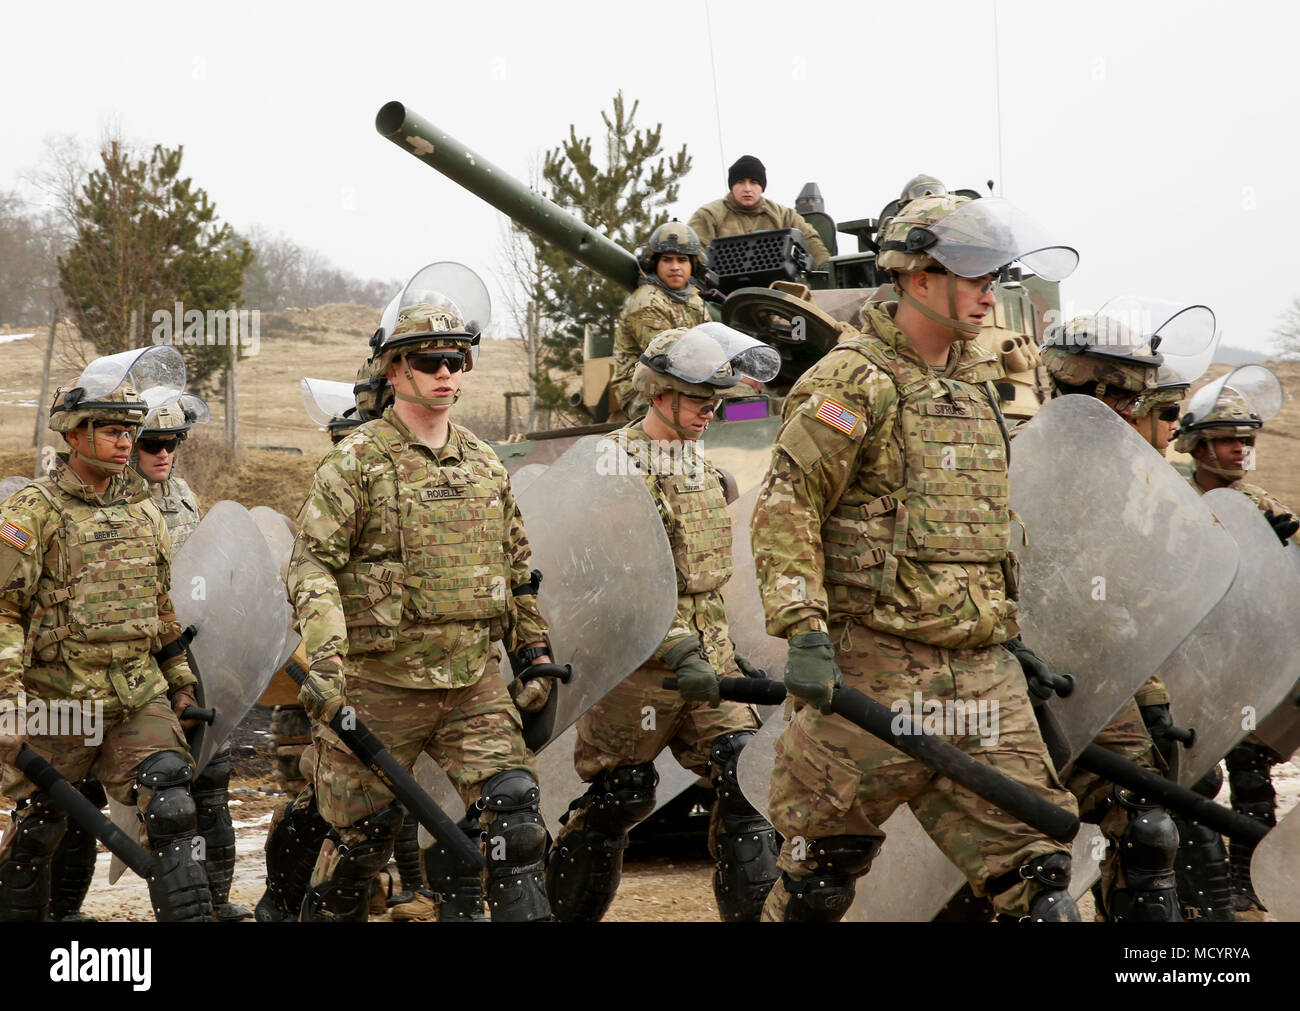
(699, 531)
(179, 508)
(103, 583)
(954, 505)
(450, 564)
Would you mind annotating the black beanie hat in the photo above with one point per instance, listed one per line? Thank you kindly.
(747, 167)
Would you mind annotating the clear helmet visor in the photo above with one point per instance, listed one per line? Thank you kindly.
(701, 352)
(157, 373)
(1184, 335)
(448, 284)
(984, 236)
(165, 411)
(1253, 387)
(326, 399)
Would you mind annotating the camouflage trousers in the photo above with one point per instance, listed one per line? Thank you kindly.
(834, 779)
(1126, 735)
(128, 739)
(473, 733)
(639, 718)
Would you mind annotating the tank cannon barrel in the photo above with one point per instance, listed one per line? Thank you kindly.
(412, 133)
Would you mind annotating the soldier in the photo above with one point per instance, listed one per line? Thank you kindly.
(1112, 356)
(667, 297)
(410, 561)
(682, 374)
(746, 210)
(84, 618)
(1219, 431)
(883, 529)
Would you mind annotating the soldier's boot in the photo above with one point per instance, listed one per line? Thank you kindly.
(73, 866)
(1050, 901)
(344, 894)
(1204, 879)
(747, 848)
(1148, 850)
(414, 901)
(516, 848)
(826, 892)
(1250, 781)
(212, 805)
(178, 886)
(292, 846)
(34, 834)
(586, 862)
(457, 891)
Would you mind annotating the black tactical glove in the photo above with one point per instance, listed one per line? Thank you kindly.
(748, 669)
(1039, 678)
(1159, 722)
(1283, 524)
(811, 673)
(697, 681)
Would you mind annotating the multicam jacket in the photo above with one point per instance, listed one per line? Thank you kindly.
(647, 312)
(887, 499)
(411, 561)
(178, 506)
(83, 598)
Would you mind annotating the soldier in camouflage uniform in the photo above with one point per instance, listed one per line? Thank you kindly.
(84, 616)
(410, 561)
(1220, 436)
(745, 210)
(881, 536)
(616, 746)
(667, 297)
(1100, 356)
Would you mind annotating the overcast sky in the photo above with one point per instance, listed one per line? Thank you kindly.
(1158, 138)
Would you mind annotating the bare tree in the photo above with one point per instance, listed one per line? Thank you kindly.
(523, 272)
(1286, 335)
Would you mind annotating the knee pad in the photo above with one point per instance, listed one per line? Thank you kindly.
(1147, 853)
(1209, 785)
(344, 896)
(1202, 871)
(170, 814)
(459, 891)
(620, 799)
(292, 846)
(516, 844)
(747, 848)
(825, 894)
(1052, 902)
(25, 870)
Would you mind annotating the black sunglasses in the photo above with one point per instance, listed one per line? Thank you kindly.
(430, 362)
(158, 445)
(1169, 412)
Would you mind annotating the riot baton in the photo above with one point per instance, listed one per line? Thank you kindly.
(400, 783)
(868, 714)
(48, 779)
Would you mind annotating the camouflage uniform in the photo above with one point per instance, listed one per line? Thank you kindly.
(648, 311)
(860, 524)
(81, 617)
(727, 217)
(405, 563)
(179, 508)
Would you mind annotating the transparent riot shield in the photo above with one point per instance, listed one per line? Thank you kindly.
(1280, 730)
(1273, 869)
(1239, 662)
(609, 587)
(525, 476)
(1122, 560)
(745, 616)
(11, 484)
(278, 530)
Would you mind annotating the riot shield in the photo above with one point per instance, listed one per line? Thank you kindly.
(1273, 869)
(525, 476)
(11, 484)
(609, 587)
(1280, 730)
(278, 530)
(1122, 560)
(745, 616)
(1245, 654)
(435, 783)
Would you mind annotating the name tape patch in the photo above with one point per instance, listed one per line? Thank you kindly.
(837, 416)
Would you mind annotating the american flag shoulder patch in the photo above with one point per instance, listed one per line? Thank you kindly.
(13, 534)
(837, 416)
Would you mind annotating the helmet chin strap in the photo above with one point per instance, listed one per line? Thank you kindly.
(963, 331)
(676, 423)
(416, 399)
(1228, 474)
(110, 466)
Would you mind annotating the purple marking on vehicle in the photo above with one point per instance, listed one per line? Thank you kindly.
(746, 410)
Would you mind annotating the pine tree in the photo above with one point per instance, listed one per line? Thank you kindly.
(624, 200)
(146, 239)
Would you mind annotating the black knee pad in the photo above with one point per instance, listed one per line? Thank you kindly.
(292, 846)
(459, 891)
(620, 799)
(345, 895)
(1209, 784)
(1147, 853)
(1052, 902)
(747, 849)
(37, 828)
(516, 844)
(1203, 874)
(170, 815)
(826, 894)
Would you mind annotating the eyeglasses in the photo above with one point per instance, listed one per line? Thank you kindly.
(430, 362)
(116, 435)
(703, 406)
(989, 282)
(154, 446)
(1168, 413)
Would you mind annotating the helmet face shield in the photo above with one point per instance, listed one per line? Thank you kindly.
(1246, 397)
(327, 400)
(1184, 336)
(983, 236)
(174, 414)
(703, 351)
(449, 296)
(157, 373)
